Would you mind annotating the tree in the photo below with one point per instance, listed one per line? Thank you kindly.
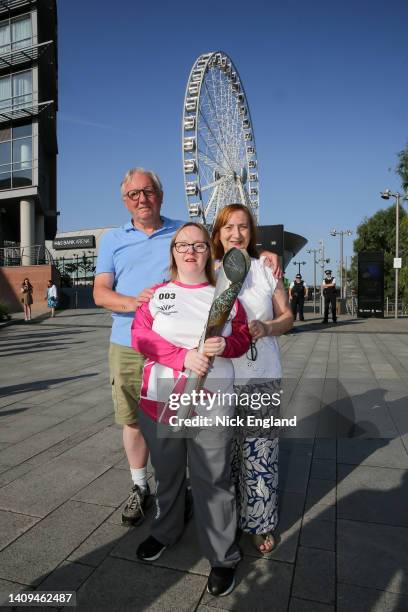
(377, 233)
(402, 168)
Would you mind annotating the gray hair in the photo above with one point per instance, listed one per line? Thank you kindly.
(152, 175)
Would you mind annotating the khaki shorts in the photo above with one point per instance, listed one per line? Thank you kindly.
(125, 369)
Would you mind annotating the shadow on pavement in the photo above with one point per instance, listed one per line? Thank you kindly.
(39, 385)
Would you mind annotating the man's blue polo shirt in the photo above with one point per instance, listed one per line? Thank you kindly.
(137, 261)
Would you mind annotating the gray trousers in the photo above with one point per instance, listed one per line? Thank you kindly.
(209, 460)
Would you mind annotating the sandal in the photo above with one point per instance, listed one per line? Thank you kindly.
(266, 540)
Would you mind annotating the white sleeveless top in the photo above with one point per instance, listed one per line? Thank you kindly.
(256, 298)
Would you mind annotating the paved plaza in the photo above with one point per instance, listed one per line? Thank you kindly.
(343, 477)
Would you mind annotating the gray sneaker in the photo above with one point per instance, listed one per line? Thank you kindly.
(138, 501)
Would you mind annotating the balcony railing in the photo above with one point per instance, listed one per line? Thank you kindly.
(9, 5)
(35, 255)
(21, 55)
(23, 110)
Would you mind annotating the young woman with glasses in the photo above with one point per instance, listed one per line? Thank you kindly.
(167, 331)
(255, 449)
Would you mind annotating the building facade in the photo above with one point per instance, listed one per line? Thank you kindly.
(28, 138)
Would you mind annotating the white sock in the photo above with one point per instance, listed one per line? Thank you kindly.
(139, 476)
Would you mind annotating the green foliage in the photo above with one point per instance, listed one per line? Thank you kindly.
(402, 168)
(377, 233)
(4, 312)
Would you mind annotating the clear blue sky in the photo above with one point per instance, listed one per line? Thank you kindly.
(326, 83)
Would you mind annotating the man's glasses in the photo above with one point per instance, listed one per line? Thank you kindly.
(134, 194)
(198, 247)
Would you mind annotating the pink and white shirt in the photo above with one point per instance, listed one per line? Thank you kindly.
(171, 324)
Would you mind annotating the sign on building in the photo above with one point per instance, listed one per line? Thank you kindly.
(74, 242)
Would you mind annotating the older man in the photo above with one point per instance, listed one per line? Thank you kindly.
(131, 258)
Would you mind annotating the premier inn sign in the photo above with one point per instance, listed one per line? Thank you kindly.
(74, 242)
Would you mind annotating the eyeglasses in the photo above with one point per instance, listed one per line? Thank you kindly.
(134, 194)
(252, 352)
(198, 247)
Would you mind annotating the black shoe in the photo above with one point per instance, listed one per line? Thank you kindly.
(301, 319)
(134, 510)
(335, 321)
(221, 581)
(150, 549)
(189, 506)
(325, 321)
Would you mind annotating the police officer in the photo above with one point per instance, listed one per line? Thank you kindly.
(329, 292)
(297, 294)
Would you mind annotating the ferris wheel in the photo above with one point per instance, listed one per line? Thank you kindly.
(219, 155)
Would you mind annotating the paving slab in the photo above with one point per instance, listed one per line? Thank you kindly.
(388, 452)
(184, 556)
(6, 588)
(371, 554)
(324, 469)
(103, 447)
(45, 439)
(358, 599)
(302, 605)
(325, 448)
(261, 585)
(315, 575)
(66, 577)
(322, 492)
(38, 551)
(109, 489)
(99, 544)
(46, 487)
(12, 525)
(24, 428)
(372, 494)
(12, 473)
(118, 584)
(318, 534)
(294, 471)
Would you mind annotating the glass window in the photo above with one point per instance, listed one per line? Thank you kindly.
(16, 157)
(22, 153)
(15, 34)
(22, 88)
(5, 92)
(5, 180)
(21, 178)
(4, 37)
(21, 131)
(21, 32)
(5, 154)
(5, 134)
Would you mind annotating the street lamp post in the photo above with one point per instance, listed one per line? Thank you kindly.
(315, 262)
(341, 233)
(299, 263)
(323, 261)
(386, 195)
